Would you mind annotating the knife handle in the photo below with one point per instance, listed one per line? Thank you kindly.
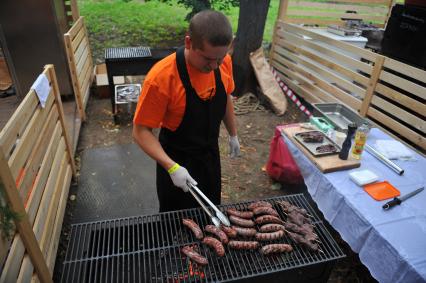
(392, 203)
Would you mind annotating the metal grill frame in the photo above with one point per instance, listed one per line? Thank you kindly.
(147, 249)
(127, 52)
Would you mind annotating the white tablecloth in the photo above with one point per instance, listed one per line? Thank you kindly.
(392, 244)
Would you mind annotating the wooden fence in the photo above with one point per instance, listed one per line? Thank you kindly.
(36, 166)
(321, 69)
(325, 13)
(80, 63)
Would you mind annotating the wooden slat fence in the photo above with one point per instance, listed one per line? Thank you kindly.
(80, 63)
(321, 69)
(323, 13)
(36, 166)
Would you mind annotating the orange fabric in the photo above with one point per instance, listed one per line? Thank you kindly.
(162, 100)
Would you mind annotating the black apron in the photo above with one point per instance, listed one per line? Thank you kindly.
(194, 144)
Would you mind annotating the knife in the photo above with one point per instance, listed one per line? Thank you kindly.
(397, 201)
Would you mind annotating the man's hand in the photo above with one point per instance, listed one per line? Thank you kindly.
(181, 177)
(234, 146)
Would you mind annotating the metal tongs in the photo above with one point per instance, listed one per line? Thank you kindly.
(220, 217)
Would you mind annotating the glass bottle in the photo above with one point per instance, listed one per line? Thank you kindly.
(360, 140)
(346, 146)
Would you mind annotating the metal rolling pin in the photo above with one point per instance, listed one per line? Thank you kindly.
(384, 159)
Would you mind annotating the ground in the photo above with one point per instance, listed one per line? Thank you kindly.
(243, 178)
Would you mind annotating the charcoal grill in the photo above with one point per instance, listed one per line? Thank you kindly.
(130, 61)
(147, 249)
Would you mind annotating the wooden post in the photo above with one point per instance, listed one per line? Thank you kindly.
(74, 10)
(282, 10)
(390, 6)
(58, 102)
(375, 75)
(74, 76)
(22, 223)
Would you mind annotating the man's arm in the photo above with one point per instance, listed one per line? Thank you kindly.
(229, 118)
(149, 143)
(231, 126)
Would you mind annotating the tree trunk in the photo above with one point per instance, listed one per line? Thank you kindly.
(251, 24)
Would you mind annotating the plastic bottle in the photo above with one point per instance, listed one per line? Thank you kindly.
(360, 139)
(346, 145)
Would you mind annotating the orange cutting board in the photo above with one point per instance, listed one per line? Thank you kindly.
(326, 164)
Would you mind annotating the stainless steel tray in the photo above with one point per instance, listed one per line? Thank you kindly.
(311, 146)
(339, 115)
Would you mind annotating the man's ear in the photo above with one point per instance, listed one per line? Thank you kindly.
(187, 42)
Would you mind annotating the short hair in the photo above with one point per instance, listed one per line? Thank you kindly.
(211, 26)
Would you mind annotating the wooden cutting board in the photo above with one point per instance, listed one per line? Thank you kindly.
(326, 164)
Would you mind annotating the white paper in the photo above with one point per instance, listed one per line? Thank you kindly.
(393, 149)
(42, 88)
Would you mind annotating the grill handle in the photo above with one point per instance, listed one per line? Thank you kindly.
(215, 220)
(219, 213)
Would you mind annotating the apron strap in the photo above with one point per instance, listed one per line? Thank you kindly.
(183, 72)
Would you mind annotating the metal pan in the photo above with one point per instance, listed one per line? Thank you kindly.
(312, 146)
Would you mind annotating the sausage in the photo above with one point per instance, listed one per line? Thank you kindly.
(265, 210)
(230, 232)
(271, 227)
(215, 244)
(246, 232)
(217, 232)
(275, 248)
(259, 203)
(268, 219)
(193, 255)
(241, 214)
(194, 228)
(243, 245)
(270, 236)
(241, 221)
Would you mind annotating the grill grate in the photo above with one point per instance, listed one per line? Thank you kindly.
(127, 52)
(147, 249)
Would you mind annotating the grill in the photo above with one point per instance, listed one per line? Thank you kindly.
(127, 53)
(147, 249)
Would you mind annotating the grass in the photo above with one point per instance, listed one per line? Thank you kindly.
(114, 23)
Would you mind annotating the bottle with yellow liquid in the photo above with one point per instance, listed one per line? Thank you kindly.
(360, 140)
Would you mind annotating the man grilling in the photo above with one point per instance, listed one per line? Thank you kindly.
(187, 95)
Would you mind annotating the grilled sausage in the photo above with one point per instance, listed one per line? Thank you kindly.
(270, 236)
(271, 227)
(265, 210)
(193, 255)
(241, 221)
(215, 244)
(268, 219)
(259, 203)
(275, 248)
(241, 214)
(246, 232)
(243, 245)
(194, 228)
(230, 232)
(217, 232)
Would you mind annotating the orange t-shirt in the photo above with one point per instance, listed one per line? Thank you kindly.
(163, 99)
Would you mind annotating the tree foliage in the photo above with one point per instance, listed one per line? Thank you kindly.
(198, 5)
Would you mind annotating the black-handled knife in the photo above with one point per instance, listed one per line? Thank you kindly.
(397, 201)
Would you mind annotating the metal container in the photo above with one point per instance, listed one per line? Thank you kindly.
(338, 114)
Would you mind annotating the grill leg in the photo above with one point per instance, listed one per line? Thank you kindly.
(112, 93)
